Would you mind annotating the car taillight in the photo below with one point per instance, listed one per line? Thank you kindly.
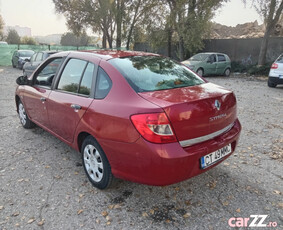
(274, 66)
(154, 127)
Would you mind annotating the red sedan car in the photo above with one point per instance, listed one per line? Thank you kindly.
(133, 115)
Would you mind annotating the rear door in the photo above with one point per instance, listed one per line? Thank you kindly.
(71, 97)
(221, 64)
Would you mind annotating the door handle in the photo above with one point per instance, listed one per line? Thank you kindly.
(75, 107)
(43, 99)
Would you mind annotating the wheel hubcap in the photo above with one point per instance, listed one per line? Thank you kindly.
(22, 114)
(93, 163)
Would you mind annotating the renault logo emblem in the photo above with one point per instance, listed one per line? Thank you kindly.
(217, 104)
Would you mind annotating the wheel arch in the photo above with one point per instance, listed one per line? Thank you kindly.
(81, 137)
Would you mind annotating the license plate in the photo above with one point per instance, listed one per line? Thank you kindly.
(280, 76)
(213, 157)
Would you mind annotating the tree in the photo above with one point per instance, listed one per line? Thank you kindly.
(270, 10)
(28, 40)
(70, 39)
(13, 37)
(1, 28)
(190, 19)
(112, 18)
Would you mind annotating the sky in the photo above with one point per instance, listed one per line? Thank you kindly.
(40, 16)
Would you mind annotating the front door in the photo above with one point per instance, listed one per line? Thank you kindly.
(36, 96)
(211, 65)
(71, 98)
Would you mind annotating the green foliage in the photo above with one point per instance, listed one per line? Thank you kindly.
(70, 39)
(28, 40)
(13, 37)
(238, 67)
(259, 70)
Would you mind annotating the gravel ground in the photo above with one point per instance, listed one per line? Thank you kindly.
(43, 185)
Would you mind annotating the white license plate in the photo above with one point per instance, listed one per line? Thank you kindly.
(213, 157)
(280, 76)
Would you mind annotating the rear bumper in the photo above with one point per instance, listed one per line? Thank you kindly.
(164, 164)
(275, 80)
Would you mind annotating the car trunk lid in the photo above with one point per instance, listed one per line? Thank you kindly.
(196, 111)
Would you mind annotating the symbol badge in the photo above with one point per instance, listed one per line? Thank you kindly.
(217, 104)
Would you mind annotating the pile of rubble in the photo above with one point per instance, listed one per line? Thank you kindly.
(247, 30)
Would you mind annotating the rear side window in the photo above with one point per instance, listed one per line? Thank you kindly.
(151, 73)
(77, 77)
(221, 58)
(71, 76)
(86, 82)
(103, 84)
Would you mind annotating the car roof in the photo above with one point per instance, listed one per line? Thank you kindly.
(109, 54)
(211, 53)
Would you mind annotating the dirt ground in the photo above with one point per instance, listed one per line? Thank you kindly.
(43, 185)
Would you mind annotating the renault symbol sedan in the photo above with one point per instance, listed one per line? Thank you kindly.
(131, 115)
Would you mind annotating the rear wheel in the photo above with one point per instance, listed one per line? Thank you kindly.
(271, 84)
(26, 122)
(227, 72)
(200, 72)
(96, 164)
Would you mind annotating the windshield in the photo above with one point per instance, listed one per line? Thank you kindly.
(199, 57)
(151, 73)
(26, 53)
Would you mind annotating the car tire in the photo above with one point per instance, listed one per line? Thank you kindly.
(271, 84)
(200, 72)
(24, 119)
(96, 164)
(227, 72)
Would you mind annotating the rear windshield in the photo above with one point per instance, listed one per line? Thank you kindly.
(199, 57)
(151, 73)
(280, 59)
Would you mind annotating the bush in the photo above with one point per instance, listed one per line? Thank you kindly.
(250, 69)
(259, 70)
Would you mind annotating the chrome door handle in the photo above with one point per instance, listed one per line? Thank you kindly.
(76, 107)
(43, 99)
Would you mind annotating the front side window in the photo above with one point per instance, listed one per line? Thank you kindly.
(46, 75)
(151, 73)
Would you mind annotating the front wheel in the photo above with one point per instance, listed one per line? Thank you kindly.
(96, 164)
(227, 72)
(25, 121)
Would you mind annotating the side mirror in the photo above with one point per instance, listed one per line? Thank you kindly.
(209, 61)
(23, 80)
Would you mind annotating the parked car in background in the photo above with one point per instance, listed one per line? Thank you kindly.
(133, 115)
(2, 43)
(35, 61)
(20, 57)
(275, 76)
(209, 64)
